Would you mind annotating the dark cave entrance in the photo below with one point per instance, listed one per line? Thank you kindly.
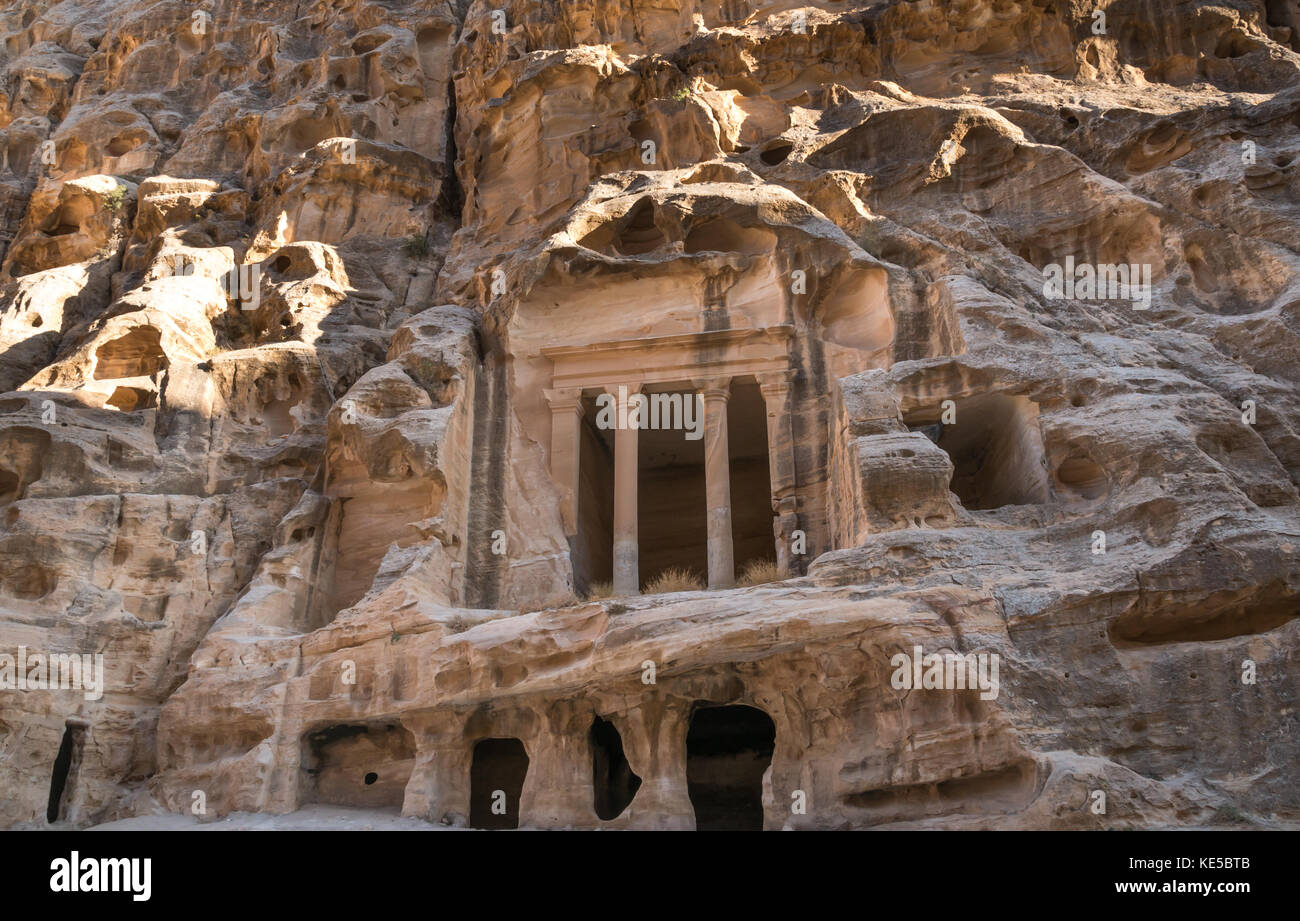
(65, 768)
(358, 765)
(496, 781)
(614, 781)
(728, 749)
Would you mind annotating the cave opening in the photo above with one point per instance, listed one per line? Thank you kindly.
(728, 750)
(776, 152)
(358, 765)
(65, 769)
(613, 778)
(136, 353)
(995, 446)
(496, 782)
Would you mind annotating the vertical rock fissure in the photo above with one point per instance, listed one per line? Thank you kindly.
(68, 758)
(487, 484)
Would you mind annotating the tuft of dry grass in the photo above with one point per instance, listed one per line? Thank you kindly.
(760, 572)
(599, 591)
(674, 579)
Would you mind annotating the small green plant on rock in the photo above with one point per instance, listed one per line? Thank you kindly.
(416, 246)
(114, 200)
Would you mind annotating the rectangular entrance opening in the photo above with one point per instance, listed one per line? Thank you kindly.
(672, 531)
(592, 548)
(751, 484)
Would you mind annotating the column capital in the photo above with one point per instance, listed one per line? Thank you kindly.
(775, 383)
(565, 399)
(630, 389)
(714, 388)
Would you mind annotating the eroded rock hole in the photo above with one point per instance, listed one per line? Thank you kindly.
(1082, 476)
(639, 234)
(1001, 790)
(30, 582)
(496, 781)
(728, 749)
(358, 765)
(139, 353)
(362, 527)
(1268, 610)
(776, 152)
(613, 778)
(995, 447)
(65, 768)
(725, 236)
(129, 399)
(10, 486)
(122, 145)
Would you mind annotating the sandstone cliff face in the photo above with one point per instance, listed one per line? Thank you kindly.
(305, 314)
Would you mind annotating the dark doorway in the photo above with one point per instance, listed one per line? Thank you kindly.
(613, 778)
(672, 521)
(592, 548)
(751, 483)
(496, 779)
(65, 765)
(727, 751)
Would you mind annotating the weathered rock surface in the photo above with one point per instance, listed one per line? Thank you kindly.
(305, 316)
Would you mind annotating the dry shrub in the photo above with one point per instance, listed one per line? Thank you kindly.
(760, 572)
(674, 579)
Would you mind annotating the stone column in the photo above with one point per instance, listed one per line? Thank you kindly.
(566, 449)
(627, 578)
(717, 482)
(780, 463)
